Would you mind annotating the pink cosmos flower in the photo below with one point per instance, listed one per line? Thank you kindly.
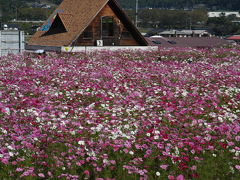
(125, 150)
(41, 175)
(193, 168)
(14, 163)
(170, 177)
(237, 167)
(5, 161)
(237, 138)
(86, 172)
(164, 167)
(49, 173)
(112, 162)
(25, 173)
(141, 172)
(138, 146)
(19, 169)
(180, 177)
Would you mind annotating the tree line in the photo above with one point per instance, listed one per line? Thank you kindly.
(181, 4)
(151, 18)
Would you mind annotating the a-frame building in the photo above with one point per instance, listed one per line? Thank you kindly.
(85, 22)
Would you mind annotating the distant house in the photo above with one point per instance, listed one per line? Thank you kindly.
(46, 6)
(87, 23)
(223, 13)
(10, 27)
(185, 33)
(235, 38)
(36, 5)
(187, 42)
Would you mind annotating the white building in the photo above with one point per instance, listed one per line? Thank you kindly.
(223, 13)
(185, 33)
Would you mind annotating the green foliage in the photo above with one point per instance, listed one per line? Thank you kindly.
(172, 18)
(34, 13)
(219, 4)
(223, 26)
(28, 27)
(217, 165)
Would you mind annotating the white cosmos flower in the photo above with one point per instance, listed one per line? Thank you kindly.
(62, 116)
(158, 173)
(99, 127)
(73, 132)
(81, 142)
(232, 150)
(237, 153)
(131, 152)
(10, 147)
(126, 126)
(231, 169)
(53, 127)
(7, 111)
(4, 131)
(184, 93)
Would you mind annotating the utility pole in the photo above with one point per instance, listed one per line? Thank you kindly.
(190, 23)
(136, 15)
(16, 11)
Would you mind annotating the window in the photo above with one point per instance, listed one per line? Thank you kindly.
(107, 26)
(56, 27)
(156, 42)
(171, 42)
(126, 34)
(88, 33)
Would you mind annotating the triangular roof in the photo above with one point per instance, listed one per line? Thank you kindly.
(76, 15)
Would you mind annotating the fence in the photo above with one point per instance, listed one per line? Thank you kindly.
(11, 42)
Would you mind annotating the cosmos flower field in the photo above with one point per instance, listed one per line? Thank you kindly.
(172, 114)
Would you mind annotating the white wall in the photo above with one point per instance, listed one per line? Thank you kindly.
(111, 48)
(11, 42)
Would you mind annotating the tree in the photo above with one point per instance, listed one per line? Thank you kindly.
(223, 26)
(178, 19)
(34, 13)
